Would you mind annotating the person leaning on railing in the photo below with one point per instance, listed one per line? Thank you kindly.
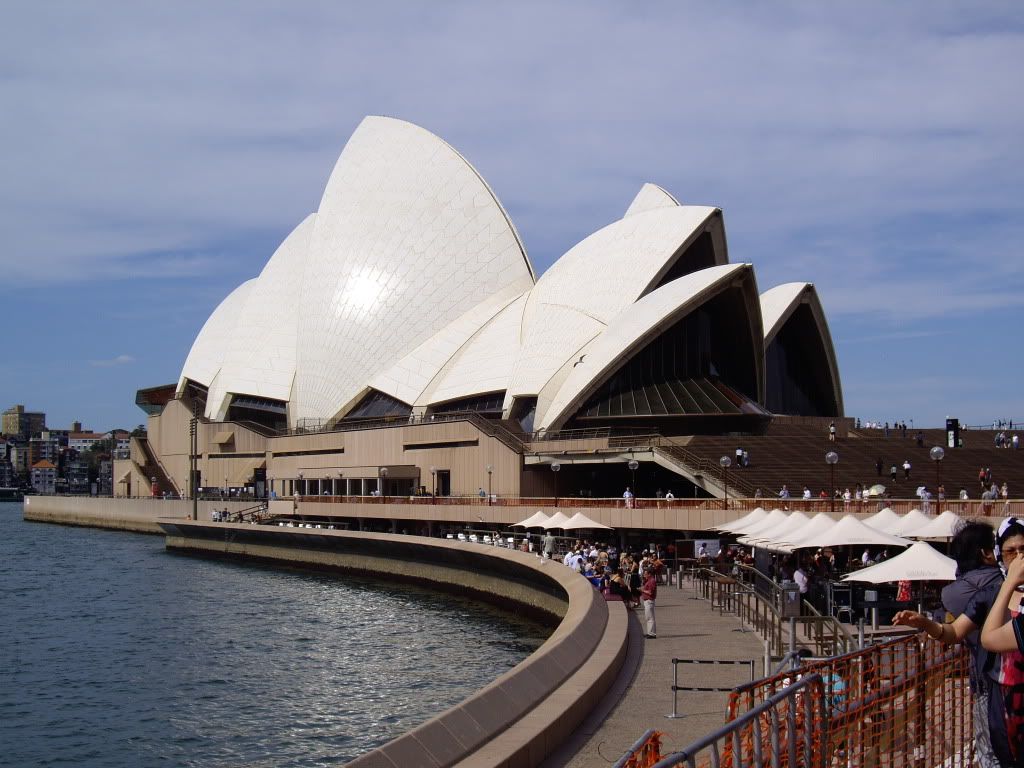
(969, 599)
(1003, 630)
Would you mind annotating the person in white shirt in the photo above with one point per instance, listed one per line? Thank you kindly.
(801, 579)
(670, 495)
(628, 496)
(807, 492)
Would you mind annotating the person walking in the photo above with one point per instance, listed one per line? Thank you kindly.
(878, 466)
(906, 469)
(832, 432)
(549, 545)
(648, 594)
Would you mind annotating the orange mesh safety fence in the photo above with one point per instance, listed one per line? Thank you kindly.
(786, 730)
(906, 702)
(644, 754)
(900, 703)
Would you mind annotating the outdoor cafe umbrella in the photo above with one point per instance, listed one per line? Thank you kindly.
(945, 526)
(921, 562)
(789, 526)
(882, 519)
(850, 532)
(756, 515)
(819, 523)
(910, 523)
(875, 490)
(773, 518)
(557, 520)
(535, 521)
(579, 520)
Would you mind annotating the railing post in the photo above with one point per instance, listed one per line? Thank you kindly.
(675, 690)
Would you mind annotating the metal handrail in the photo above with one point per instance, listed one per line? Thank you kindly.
(812, 724)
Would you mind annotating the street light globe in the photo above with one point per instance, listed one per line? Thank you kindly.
(937, 453)
(831, 457)
(555, 467)
(490, 468)
(725, 462)
(633, 464)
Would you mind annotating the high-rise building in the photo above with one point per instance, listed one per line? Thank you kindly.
(18, 422)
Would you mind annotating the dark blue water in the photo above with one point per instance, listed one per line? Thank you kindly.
(114, 652)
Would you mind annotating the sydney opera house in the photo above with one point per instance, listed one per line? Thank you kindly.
(400, 342)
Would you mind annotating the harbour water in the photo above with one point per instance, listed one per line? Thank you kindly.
(114, 652)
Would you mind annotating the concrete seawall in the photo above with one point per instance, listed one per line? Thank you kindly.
(138, 515)
(519, 718)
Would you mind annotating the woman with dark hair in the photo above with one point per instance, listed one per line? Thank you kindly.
(968, 600)
(1003, 631)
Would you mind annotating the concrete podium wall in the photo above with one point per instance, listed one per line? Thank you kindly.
(139, 515)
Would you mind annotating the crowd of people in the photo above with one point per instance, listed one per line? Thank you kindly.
(619, 575)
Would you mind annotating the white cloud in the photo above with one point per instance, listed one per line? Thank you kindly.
(119, 360)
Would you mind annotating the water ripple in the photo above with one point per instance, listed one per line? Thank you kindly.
(114, 652)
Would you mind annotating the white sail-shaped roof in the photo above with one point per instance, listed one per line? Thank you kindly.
(207, 354)
(484, 364)
(407, 379)
(593, 282)
(260, 360)
(639, 324)
(650, 197)
(408, 238)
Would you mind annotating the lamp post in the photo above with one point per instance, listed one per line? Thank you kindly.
(433, 485)
(725, 463)
(381, 484)
(490, 471)
(832, 458)
(937, 454)
(633, 464)
(556, 467)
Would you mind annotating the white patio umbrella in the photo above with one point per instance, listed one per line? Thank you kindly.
(557, 520)
(789, 526)
(774, 519)
(944, 526)
(818, 524)
(579, 520)
(910, 523)
(882, 519)
(534, 521)
(850, 532)
(921, 562)
(754, 516)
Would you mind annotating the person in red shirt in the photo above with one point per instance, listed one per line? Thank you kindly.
(648, 594)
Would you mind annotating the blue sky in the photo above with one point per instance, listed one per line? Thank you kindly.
(154, 156)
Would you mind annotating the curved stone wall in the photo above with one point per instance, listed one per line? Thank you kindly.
(520, 717)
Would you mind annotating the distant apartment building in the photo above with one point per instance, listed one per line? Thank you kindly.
(105, 480)
(7, 478)
(18, 422)
(44, 447)
(82, 441)
(18, 454)
(76, 472)
(123, 440)
(44, 477)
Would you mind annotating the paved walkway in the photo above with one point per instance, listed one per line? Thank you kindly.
(688, 628)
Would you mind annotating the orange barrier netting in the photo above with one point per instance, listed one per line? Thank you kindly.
(901, 703)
